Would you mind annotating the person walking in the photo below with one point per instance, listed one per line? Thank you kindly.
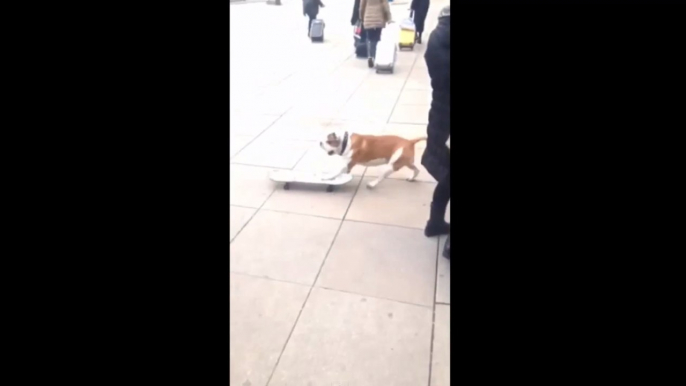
(356, 13)
(361, 39)
(436, 158)
(375, 14)
(420, 8)
(311, 9)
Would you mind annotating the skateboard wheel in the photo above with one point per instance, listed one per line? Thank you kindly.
(286, 186)
(329, 188)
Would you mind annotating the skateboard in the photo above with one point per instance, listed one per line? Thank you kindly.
(288, 176)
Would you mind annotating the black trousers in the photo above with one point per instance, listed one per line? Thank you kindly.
(420, 16)
(441, 197)
(373, 37)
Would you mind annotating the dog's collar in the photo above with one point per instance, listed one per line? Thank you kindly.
(345, 143)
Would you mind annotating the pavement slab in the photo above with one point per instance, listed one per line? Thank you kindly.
(350, 339)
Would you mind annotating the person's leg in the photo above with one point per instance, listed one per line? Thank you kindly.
(370, 61)
(310, 17)
(419, 25)
(446, 248)
(437, 224)
(420, 19)
(362, 42)
(376, 36)
(373, 36)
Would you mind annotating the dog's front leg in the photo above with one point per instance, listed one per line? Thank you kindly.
(387, 170)
(350, 167)
(335, 175)
(344, 170)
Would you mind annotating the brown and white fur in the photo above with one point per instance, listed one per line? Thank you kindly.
(391, 151)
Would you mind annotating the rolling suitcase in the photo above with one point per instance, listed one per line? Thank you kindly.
(360, 36)
(317, 30)
(386, 53)
(408, 31)
(360, 48)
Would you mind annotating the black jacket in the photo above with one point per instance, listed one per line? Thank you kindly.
(311, 7)
(356, 13)
(436, 158)
(420, 9)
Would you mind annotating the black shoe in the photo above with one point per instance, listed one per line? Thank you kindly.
(370, 63)
(436, 228)
(419, 39)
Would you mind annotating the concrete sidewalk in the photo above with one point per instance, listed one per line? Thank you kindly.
(329, 289)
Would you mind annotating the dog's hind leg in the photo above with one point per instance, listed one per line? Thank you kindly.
(415, 172)
(389, 168)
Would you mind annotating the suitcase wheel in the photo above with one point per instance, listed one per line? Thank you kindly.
(286, 186)
(329, 188)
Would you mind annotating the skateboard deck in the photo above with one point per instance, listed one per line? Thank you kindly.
(288, 176)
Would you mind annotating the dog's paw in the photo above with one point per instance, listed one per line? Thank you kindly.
(371, 185)
(410, 179)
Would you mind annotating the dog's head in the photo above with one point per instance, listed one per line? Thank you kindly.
(335, 143)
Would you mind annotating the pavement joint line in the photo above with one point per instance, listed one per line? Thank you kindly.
(242, 206)
(303, 214)
(257, 136)
(300, 159)
(268, 278)
(328, 73)
(330, 120)
(240, 230)
(311, 288)
(244, 225)
(362, 175)
(433, 320)
(377, 297)
(250, 219)
(402, 88)
(335, 218)
(388, 225)
(331, 289)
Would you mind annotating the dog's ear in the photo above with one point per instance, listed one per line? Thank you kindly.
(331, 137)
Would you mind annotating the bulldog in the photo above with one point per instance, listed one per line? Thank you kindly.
(391, 151)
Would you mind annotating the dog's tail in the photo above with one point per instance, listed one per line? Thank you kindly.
(413, 141)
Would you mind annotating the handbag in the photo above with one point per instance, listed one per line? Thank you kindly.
(357, 31)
